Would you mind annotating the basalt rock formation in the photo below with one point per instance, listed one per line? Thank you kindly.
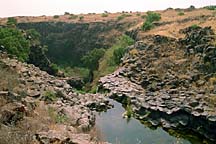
(47, 106)
(170, 82)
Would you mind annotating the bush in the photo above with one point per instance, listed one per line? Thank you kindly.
(81, 17)
(138, 14)
(181, 13)
(11, 21)
(194, 26)
(147, 26)
(55, 16)
(91, 59)
(151, 16)
(66, 13)
(121, 17)
(118, 54)
(15, 43)
(211, 7)
(143, 16)
(50, 96)
(104, 15)
(53, 69)
(73, 17)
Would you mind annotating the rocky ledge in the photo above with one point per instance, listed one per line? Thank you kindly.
(60, 114)
(170, 82)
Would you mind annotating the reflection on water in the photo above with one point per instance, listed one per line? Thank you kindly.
(117, 130)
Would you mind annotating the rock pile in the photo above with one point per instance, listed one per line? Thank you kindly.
(37, 87)
(165, 84)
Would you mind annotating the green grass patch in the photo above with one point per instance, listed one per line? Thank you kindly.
(150, 18)
(107, 63)
(181, 13)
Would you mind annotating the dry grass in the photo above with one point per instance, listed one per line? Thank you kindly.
(8, 79)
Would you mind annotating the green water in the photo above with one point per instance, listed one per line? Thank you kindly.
(117, 130)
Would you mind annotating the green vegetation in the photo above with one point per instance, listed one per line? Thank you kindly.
(128, 108)
(76, 71)
(34, 37)
(211, 7)
(181, 13)
(54, 68)
(150, 18)
(49, 96)
(57, 117)
(73, 16)
(81, 18)
(138, 14)
(107, 63)
(147, 26)
(55, 16)
(104, 15)
(118, 54)
(194, 26)
(11, 21)
(143, 16)
(66, 13)
(121, 17)
(91, 60)
(15, 43)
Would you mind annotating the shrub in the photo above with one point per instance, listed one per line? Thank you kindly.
(57, 117)
(11, 21)
(211, 7)
(118, 54)
(50, 96)
(194, 26)
(143, 16)
(120, 17)
(91, 59)
(104, 15)
(147, 26)
(138, 14)
(66, 13)
(55, 16)
(181, 13)
(15, 43)
(81, 17)
(54, 69)
(151, 16)
(123, 16)
(73, 17)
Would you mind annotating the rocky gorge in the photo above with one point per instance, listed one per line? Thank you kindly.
(49, 109)
(169, 82)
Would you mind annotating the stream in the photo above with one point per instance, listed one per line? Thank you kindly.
(117, 130)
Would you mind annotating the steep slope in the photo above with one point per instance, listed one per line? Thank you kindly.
(170, 82)
(69, 38)
(36, 107)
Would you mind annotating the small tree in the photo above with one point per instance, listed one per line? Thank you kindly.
(147, 26)
(55, 16)
(152, 16)
(118, 54)
(91, 60)
(81, 18)
(11, 21)
(15, 43)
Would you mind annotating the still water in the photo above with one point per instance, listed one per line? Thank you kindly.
(117, 130)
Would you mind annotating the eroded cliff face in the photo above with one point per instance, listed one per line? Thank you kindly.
(68, 42)
(170, 82)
